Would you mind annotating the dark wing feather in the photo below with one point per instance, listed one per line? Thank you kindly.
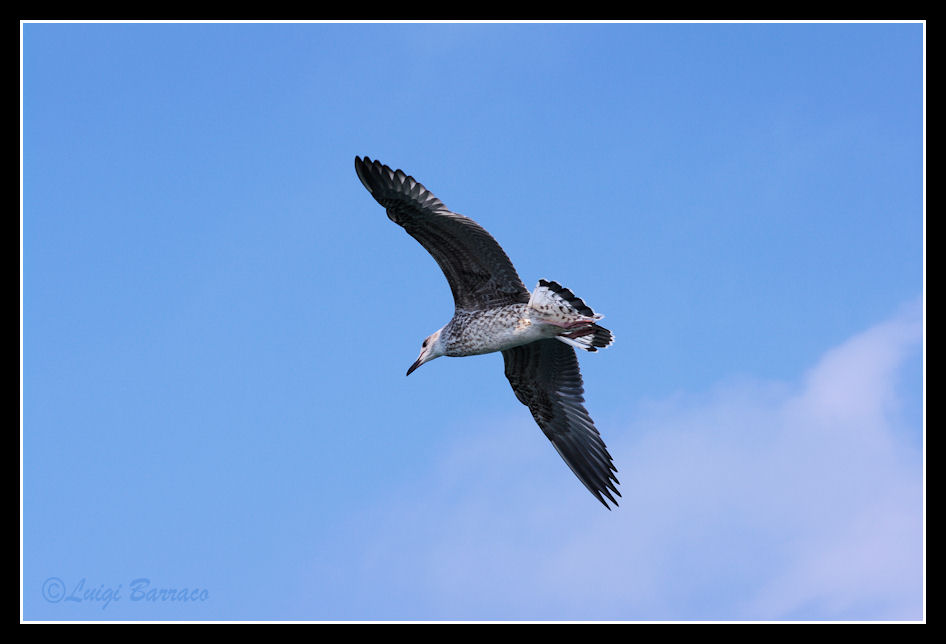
(546, 378)
(478, 270)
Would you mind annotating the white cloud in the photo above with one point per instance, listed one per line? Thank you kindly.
(754, 501)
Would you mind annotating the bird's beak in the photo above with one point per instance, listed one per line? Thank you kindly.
(415, 365)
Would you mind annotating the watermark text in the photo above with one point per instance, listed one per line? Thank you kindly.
(139, 590)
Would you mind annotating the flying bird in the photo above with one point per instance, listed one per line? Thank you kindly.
(536, 332)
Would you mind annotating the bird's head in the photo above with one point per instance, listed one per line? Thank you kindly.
(430, 349)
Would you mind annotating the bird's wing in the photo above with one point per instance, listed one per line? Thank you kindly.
(545, 377)
(478, 270)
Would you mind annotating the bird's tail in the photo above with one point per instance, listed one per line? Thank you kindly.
(558, 306)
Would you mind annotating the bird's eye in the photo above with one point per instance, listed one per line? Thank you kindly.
(424, 346)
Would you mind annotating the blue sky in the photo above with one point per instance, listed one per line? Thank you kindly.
(217, 318)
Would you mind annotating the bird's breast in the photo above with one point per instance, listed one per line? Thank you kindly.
(474, 333)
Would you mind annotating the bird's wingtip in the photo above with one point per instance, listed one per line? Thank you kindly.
(361, 168)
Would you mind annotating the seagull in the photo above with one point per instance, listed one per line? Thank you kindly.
(536, 332)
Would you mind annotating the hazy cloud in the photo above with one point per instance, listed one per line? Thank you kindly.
(753, 501)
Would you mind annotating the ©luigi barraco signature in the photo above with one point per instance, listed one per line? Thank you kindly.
(139, 590)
